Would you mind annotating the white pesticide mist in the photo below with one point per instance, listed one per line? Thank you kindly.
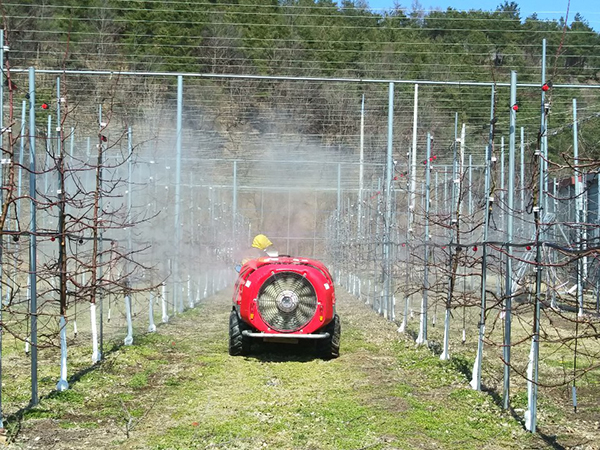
(286, 185)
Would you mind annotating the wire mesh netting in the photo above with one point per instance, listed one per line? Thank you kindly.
(428, 197)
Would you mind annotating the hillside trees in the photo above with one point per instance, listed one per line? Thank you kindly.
(162, 35)
(304, 38)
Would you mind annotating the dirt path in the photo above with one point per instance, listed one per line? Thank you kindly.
(179, 389)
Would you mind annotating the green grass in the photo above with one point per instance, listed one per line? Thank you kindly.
(179, 389)
(71, 396)
(41, 413)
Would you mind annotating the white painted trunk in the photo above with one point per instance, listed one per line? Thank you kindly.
(129, 338)
(189, 292)
(151, 326)
(205, 285)
(181, 295)
(402, 327)
(63, 384)
(421, 337)
(475, 381)
(445, 354)
(27, 345)
(529, 419)
(96, 356)
(163, 300)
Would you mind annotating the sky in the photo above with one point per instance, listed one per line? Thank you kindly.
(546, 9)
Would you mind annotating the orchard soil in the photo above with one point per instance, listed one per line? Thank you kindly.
(179, 389)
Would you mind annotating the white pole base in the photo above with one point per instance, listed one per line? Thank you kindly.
(62, 384)
(96, 356)
(129, 338)
(402, 327)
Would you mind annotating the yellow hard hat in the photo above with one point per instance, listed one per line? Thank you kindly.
(261, 242)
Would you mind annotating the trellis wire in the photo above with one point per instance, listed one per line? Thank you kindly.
(385, 302)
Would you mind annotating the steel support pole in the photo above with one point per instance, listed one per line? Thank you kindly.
(387, 264)
(411, 185)
(579, 213)
(61, 203)
(21, 156)
(422, 337)
(544, 135)
(128, 313)
(338, 217)
(522, 183)
(553, 304)
(376, 252)
(471, 191)
(47, 158)
(454, 226)
(509, 240)
(129, 185)
(289, 220)
(234, 201)
(413, 174)
(361, 168)
(476, 380)
(502, 184)
(97, 353)
(538, 211)
(177, 297)
(32, 241)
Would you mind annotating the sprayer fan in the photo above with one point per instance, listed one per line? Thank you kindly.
(287, 301)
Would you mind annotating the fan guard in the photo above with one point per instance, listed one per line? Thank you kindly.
(287, 301)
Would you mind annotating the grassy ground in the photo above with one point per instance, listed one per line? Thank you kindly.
(178, 389)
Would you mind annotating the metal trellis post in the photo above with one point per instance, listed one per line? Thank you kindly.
(387, 266)
(533, 365)
(32, 241)
(177, 297)
(129, 337)
(362, 162)
(476, 380)
(509, 240)
(422, 337)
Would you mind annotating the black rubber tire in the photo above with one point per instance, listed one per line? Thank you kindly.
(239, 345)
(330, 348)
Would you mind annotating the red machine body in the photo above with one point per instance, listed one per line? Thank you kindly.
(284, 298)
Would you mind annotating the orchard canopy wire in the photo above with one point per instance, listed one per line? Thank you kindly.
(443, 165)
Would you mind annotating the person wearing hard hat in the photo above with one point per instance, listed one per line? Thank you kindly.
(261, 246)
(261, 242)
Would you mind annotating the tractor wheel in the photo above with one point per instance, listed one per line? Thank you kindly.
(330, 348)
(238, 343)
